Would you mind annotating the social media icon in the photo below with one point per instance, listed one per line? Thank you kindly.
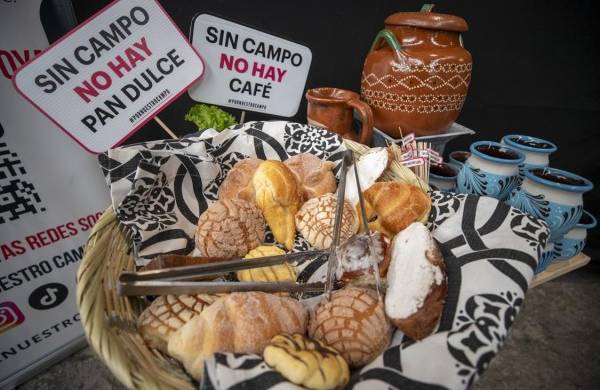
(10, 316)
(48, 296)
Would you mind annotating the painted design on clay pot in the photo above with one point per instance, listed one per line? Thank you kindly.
(417, 73)
(490, 170)
(561, 192)
(472, 180)
(574, 240)
(546, 258)
(534, 204)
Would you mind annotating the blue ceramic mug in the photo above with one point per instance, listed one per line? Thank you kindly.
(491, 170)
(443, 177)
(574, 240)
(546, 258)
(554, 195)
(536, 150)
(458, 158)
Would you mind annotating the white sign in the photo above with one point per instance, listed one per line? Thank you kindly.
(104, 80)
(52, 192)
(248, 69)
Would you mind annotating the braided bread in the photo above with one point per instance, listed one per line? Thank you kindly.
(306, 362)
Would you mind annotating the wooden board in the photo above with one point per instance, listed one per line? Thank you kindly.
(559, 268)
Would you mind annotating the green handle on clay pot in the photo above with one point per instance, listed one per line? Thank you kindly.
(390, 39)
(427, 7)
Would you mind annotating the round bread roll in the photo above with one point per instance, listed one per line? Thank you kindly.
(238, 322)
(314, 175)
(316, 218)
(308, 363)
(238, 182)
(417, 282)
(167, 313)
(392, 206)
(353, 322)
(274, 273)
(230, 227)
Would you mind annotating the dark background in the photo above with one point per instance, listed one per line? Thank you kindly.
(535, 66)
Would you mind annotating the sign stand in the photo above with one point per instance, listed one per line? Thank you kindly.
(242, 117)
(165, 127)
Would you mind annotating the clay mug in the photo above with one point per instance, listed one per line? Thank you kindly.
(536, 150)
(443, 177)
(458, 158)
(572, 243)
(554, 195)
(492, 169)
(332, 109)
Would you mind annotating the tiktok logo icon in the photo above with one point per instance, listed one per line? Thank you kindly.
(48, 296)
(10, 316)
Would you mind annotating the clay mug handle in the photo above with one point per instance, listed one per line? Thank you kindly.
(366, 115)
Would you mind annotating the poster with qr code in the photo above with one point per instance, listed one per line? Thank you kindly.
(51, 194)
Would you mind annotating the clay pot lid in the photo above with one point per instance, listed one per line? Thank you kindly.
(429, 20)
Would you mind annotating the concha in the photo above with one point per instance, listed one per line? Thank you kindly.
(230, 227)
(353, 322)
(316, 218)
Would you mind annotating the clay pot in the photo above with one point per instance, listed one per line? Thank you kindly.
(417, 73)
(332, 109)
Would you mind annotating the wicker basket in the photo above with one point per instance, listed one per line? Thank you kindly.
(109, 320)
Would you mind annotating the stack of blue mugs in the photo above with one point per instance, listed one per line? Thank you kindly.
(517, 171)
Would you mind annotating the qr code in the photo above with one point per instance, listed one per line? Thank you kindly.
(17, 196)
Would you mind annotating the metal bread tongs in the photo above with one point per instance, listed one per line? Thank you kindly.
(333, 261)
(185, 279)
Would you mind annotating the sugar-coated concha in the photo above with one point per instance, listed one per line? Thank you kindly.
(274, 273)
(167, 313)
(230, 227)
(353, 322)
(306, 362)
(316, 218)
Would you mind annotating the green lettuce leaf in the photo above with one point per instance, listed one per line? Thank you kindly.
(209, 117)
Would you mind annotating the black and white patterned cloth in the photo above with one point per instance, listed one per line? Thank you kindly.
(491, 251)
(159, 189)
